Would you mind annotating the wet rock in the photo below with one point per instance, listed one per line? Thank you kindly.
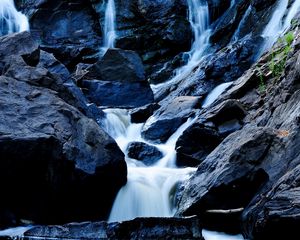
(195, 144)
(72, 39)
(169, 118)
(276, 214)
(217, 8)
(230, 176)
(118, 94)
(148, 154)
(149, 228)
(118, 65)
(140, 115)
(121, 81)
(64, 157)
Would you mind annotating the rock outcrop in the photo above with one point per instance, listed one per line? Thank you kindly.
(50, 151)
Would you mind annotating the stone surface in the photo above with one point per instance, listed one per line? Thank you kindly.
(146, 228)
(169, 118)
(148, 154)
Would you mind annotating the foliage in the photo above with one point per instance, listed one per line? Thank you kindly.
(279, 58)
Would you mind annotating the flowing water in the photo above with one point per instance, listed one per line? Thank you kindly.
(215, 93)
(11, 20)
(199, 20)
(109, 30)
(279, 23)
(150, 191)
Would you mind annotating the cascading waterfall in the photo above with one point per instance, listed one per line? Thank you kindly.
(279, 23)
(199, 20)
(10, 19)
(109, 30)
(149, 191)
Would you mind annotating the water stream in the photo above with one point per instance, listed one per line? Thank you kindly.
(11, 20)
(109, 30)
(279, 22)
(199, 20)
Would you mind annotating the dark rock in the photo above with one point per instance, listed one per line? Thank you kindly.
(118, 94)
(276, 214)
(140, 115)
(143, 152)
(64, 157)
(217, 8)
(195, 144)
(230, 176)
(169, 118)
(68, 29)
(139, 228)
(118, 65)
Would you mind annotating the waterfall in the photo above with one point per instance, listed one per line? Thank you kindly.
(10, 19)
(109, 32)
(215, 93)
(279, 23)
(150, 190)
(199, 21)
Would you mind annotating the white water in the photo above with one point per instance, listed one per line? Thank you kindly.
(109, 32)
(149, 191)
(199, 20)
(14, 232)
(215, 93)
(279, 23)
(11, 20)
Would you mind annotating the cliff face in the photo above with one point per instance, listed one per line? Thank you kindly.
(54, 81)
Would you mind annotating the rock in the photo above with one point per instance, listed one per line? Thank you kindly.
(195, 144)
(148, 154)
(146, 228)
(141, 114)
(121, 81)
(55, 156)
(117, 94)
(276, 214)
(231, 175)
(217, 8)
(169, 118)
(118, 65)
(72, 39)
(227, 116)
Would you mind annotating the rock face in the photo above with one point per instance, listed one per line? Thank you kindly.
(254, 171)
(168, 119)
(50, 151)
(121, 81)
(149, 228)
(144, 152)
(64, 36)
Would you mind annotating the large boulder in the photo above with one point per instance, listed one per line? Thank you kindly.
(121, 81)
(140, 228)
(50, 151)
(236, 171)
(169, 118)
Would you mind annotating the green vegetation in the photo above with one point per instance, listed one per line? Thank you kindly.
(279, 58)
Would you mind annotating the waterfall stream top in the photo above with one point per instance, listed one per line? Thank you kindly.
(10, 19)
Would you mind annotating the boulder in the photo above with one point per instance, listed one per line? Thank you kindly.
(121, 81)
(141, 114)
(118, 65)
(148, 154)
(169, 118)
(55, 156)
(117, 94)
(276, 214)
(232, 174)
(196, 142)
(146, 228)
